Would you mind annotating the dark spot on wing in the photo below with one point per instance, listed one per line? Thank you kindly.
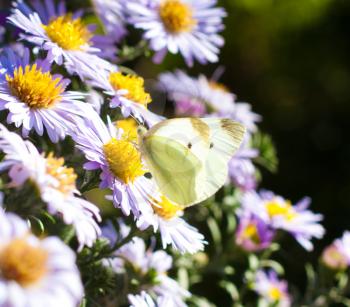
(211, 145)
(189, 145)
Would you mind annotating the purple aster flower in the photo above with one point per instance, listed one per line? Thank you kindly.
(46, 276)
(36, 99)
(145, 260)
(118, 158)
(337, 255)
(198, 97)
(112, 16)
(279, 213)
(54, 181)
(253, 234)
(334, 258)
(242, 171)
(189, 27)
(127, 92)
(63, 35)
(272, 289)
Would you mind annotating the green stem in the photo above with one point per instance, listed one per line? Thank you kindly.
(131, 53)
(133, 233)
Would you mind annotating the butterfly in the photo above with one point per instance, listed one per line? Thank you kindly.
(188, 157)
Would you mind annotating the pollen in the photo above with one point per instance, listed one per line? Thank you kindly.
(124, 160)
(176, 16)
(275, 294)
(218, 86)
(68, 33)
(37, 89)
(133, 84)
(65, 176)
(129, 127)
(23, 263)
(166, 209)
(277, 208)
(251, 232)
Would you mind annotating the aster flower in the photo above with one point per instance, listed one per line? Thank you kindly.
(141, 300)
(189, 27)
(253, 234)
(145, 300)
(196, 96)
(35, 272)
(36, 99)
(273, 290)
(242, 172)
(119, 161)
(279, 213)
(201, 96)
(112, 17)
(165, 216)
(54, 182)
(146, 261)
(127, 92)
(63, 35)
(337, 255)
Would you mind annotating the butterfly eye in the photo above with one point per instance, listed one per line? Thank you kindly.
(211, 145)
(189, 145)
(148, 175)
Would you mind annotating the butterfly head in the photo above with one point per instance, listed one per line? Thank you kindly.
(141, 131)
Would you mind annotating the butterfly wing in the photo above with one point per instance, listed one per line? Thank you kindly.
(225, 137)
(174, 167)
(188, 157)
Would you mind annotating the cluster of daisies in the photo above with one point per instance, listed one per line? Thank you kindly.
(41, 112)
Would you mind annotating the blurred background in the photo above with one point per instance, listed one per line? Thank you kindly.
(291, 60)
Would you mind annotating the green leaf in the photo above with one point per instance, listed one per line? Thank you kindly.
(267, 152)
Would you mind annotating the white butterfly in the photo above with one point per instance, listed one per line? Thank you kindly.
(188, 157)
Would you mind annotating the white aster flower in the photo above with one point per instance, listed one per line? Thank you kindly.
(54, 181)
(145, 300)
(35, 272)
(145, 261)
(165, 217)
(189, 27)
(273, 290)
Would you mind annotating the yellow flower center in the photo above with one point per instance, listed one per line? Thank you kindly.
(251, 232)
(67, 33)
(65, 176)
(124, 160)
(277, 208)
(129, 127)
(23, 263)
(275, 294)
(219, 86)
(35, 88)
(166, 208)
(176, 16)
(133, 84)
